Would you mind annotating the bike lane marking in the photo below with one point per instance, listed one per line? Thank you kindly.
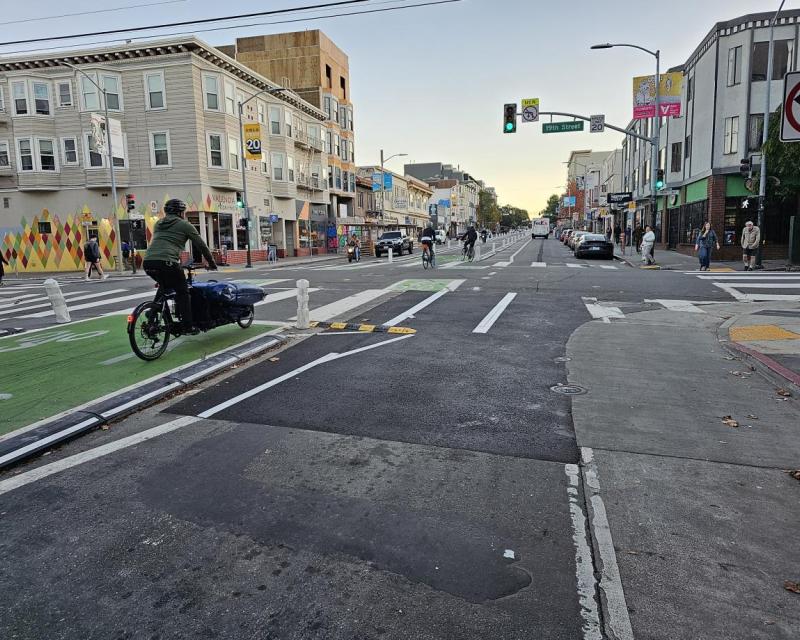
(94, 303)
(494, 314)
(71, 297)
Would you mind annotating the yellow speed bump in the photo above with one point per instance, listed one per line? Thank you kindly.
(758, 332)
(363, 328)
(402, 330)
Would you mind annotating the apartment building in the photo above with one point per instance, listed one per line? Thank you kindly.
(405, 205)
(462, 204)
(319, 72)
(724, 92)
(177, 104)
(583, 183)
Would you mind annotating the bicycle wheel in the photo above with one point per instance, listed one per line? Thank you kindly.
(149, 331)
(246, 321)
(425, 260)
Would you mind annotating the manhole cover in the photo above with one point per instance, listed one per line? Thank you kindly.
(562, 359)
(568, 389)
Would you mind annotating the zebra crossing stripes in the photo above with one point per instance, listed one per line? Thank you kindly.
(755, 286)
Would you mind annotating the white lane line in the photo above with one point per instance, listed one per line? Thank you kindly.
(501, 264)
(618, 622)
(678, 305)
(607, 266)
(283, 295)
(94, 304)
(452, 286)
(17, 299)
(71, 298)
(572, 265)
(603, 313)
(746, 275)
(541, 265)
(494, 314)
(767, 285)
(584, 567)
(328, 311)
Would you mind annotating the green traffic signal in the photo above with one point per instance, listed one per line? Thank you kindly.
(510, 118)
(509, 126)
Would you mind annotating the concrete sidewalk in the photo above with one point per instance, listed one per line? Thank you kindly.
(676, 261)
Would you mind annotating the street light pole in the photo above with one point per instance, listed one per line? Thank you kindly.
(270, 91)
(383, 179)
(110, 164)
(762, 180)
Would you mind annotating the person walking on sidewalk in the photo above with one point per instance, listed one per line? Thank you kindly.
(91, 253)
(3, 261)
(648, 242)
(638, 232)
(705, 243)
(751, 238)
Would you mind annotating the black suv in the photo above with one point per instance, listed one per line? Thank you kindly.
(397, 240)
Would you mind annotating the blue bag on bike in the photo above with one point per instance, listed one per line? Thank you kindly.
(231, 293)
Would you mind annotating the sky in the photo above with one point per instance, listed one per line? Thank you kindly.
(431, 81)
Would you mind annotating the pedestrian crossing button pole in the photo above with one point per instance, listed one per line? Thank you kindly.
(56, 298)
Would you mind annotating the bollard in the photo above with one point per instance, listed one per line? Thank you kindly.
(391, 254)
(57, 300)
(494, 247)
(302, 304)
(448, 243)
(477, 252)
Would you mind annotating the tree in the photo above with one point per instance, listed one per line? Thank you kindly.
(551, 210)
(488, 212)
(783, 162)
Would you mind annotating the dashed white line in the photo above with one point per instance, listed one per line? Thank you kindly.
(494, 314)
(540, 265)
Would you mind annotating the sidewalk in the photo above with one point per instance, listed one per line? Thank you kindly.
(675, 261)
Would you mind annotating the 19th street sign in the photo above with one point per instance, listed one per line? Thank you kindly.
(562, 127)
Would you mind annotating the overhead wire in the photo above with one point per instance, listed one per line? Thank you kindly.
(93, 12)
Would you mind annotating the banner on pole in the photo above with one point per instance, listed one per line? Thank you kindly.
(644, 96)
(252, 141)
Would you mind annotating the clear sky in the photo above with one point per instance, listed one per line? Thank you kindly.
(431, 82)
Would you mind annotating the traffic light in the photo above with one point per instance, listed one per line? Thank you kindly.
(660, 184)
(239, 200)
(130, 200)
(510, 118)
(745, 167)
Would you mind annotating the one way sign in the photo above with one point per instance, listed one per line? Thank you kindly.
(790, 126)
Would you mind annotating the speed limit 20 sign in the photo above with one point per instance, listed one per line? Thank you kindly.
(790, 126)
(252, 141)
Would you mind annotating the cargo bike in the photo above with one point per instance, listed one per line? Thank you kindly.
(214, 304)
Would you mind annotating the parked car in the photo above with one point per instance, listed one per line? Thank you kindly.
(567, 235)
(575, 238)
(398, 241)
(595, 245)
(441, 236)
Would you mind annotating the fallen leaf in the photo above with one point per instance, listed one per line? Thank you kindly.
(729, 421)
(794, 587)
(752, 417)
(633, 553)
(795, 474)
(784, 393)
(105, 427)
(274, 359)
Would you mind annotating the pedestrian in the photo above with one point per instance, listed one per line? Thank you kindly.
(617, 233)
(638, 232)
(627, 234)
(3, 261)
(609, 231)
(751, 239)
(706, 241)
(91, 253)
(126, 253)
(648, 241)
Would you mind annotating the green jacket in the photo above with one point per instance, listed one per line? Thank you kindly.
(169, 240)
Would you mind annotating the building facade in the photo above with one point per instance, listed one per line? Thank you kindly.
(177, 105)
(404, 205)
(724, 93)
(583, 184)
(461, 207)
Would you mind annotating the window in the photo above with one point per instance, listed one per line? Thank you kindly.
(677, 157)
(692, 218)
(330, 177)
(64, 93)
(316, 171)
(91, 99)
(337, 145)
(215, 154)
(6, 203)
(327, 106)
(731, 135)
(277, 165)
(275, 120)
(41, 98)
(2, 100)
(261, 113)
(264, 166)
(345, 179)
(290, 166)
(687, 147)
(25, 153)
(19, 91)
(782, 58)
(4, 159)
(230, 98)
(360, 199)
(233, 153)
(93, 158)
(734, 66)
(45, 227)
(335, 110)
(287, 119)
(343, 116)
(159, 149)
(350, 118)
(47, 154)
(113, 97)
(338, 178)
(328, 75)
(690, 89)
(211, 91)
(755, 132)
(345, 154)
(154, 90)
(313, 134)
(343, 86)
(352, 152)
(298, 127)
(328, 142)
(69, 151)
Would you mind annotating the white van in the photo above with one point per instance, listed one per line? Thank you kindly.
(541, 228)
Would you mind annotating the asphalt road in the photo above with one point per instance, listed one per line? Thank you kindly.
(350, 485)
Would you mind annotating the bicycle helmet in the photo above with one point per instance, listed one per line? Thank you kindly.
(175, 207)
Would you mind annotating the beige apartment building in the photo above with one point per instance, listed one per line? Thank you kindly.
(177, 103)
(319, 72)
(405, 205)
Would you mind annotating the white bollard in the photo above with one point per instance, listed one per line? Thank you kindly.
(494, 247)
(448, 243)
(477, 252)
(391, 254)
(302, 304)
(57, 300)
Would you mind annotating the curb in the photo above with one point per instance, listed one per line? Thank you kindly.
(29, 443)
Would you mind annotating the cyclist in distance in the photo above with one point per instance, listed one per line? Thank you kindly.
(470, 237)
(163, 260)
(428, 239)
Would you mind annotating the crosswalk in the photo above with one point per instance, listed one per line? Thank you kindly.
(608, 311)
(755, 286)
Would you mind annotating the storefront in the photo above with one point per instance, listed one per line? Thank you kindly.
(312, 229)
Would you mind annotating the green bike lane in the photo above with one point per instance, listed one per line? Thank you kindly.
(46, 373)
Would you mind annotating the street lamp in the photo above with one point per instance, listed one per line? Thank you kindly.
(383, 181)
(110, 163)
(584, 167)
(762, 182)
(270, 91)
(656, 142)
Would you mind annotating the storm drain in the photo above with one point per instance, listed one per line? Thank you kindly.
(568, 389)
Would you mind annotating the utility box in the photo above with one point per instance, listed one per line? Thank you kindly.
(794, 240)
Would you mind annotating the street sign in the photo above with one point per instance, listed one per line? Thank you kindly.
(562, 127)
(597, 124)
(620, 198)
(530, 109)
(376, 181)
(669, 192)
(790, 125)
(135, 216)
(273, 217)
(569, 201)
(252, 141)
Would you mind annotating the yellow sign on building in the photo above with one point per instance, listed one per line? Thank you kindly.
(252, 141)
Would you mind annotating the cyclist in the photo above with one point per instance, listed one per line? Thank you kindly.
(355, 242)
(163, 259)
(470, 237)
(428, 240)
(484, 235)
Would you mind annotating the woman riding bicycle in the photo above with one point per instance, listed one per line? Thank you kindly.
(163, 260)
(428, 239)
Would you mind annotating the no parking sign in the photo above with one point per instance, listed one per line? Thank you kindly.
(790, 126)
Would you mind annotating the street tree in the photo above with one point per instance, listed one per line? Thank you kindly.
(551, 210)
(783, 163)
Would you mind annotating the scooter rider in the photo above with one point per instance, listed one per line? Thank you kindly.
(162, 261)
(355, 242)
(470, 237)
(484, 235)
(428, 239)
